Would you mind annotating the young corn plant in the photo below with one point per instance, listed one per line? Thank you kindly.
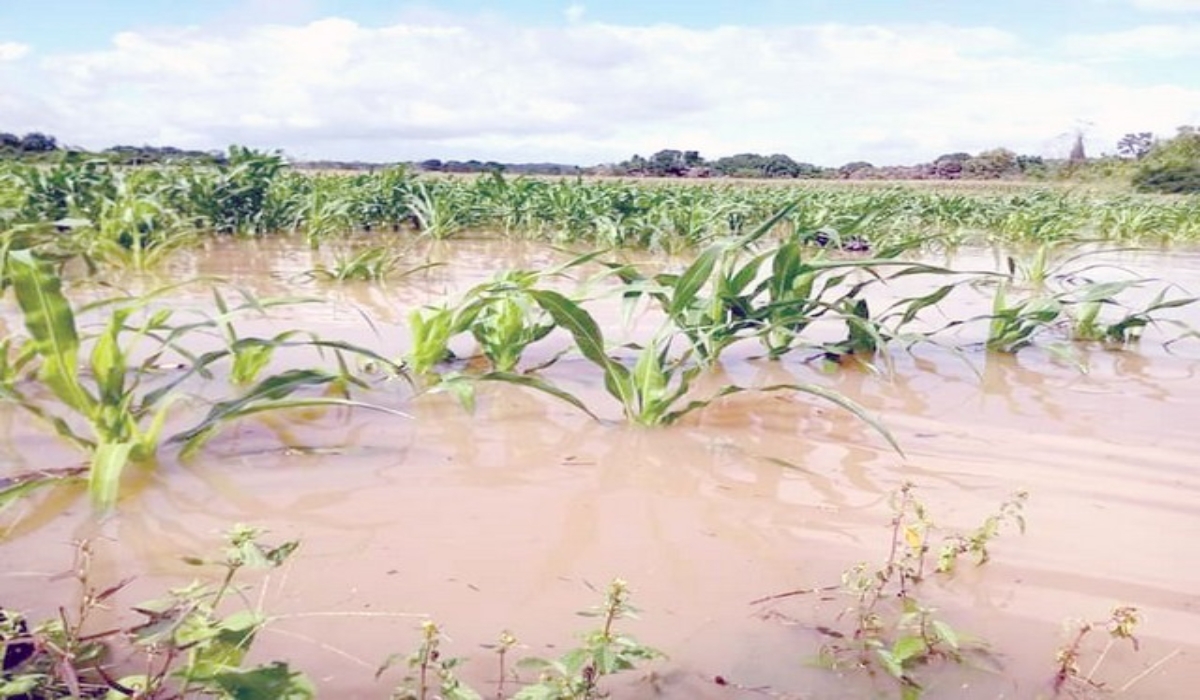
(1013, 325)
(504, 316)
(656, 391)
(370, 264)
(432, 329)
(1088, 322)
(507, 322)
(711, 322)
(107, 389)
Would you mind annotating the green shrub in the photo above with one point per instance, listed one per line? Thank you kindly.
(1172, 178)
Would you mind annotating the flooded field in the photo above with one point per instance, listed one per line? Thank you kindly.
(516, 516)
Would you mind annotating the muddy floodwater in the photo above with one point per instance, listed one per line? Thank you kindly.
(516, 516)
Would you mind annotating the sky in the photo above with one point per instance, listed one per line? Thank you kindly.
(596, 81)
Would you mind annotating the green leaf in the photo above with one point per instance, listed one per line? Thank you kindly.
(51, 326)
(104, 480)
(693, 279)
(269, 395)
(908, 648)
(275, 681)
(946, 634)
(541, 385)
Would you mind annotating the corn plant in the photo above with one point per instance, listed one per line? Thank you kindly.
(105, 390)
(657, 390)
(431, 330)
(440, 211)
(371, 264)
(505, 322)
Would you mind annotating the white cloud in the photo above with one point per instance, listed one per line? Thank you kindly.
(575, 12)
(1158, 41)
(582, 92)
(11, 50)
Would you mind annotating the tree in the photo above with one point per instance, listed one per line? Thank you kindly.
(1172, 166)
(1136, 146)
(780, 165)
(667, 162)
(741, 165)
(950, 166)
(992, 164)
(849, 170)
(9, 142)
(36, 142)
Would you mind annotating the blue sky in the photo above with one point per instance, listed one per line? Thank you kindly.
(889, 81)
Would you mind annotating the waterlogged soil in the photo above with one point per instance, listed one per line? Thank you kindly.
(516, 516)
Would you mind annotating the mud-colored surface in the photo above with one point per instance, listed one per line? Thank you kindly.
(507, 519)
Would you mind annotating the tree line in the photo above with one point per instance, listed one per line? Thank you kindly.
(1164, 165)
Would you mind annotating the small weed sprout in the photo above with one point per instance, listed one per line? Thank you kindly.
(431, 675)
(1120, 626)
(188, 647)
(576, 674)
(893, 630)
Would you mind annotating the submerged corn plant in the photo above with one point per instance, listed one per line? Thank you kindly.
(370, 264)
(729, 293)
(102, 400)
(1047, 295)
(657, 390)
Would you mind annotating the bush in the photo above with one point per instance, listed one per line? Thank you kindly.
(1174, 178)
(1172, 166)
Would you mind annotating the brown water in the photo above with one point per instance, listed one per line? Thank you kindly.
(509, 518)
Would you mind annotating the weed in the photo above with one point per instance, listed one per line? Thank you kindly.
(892, 630)
(188, 647)
(1120, 625)
(576, 675)
(431, 675)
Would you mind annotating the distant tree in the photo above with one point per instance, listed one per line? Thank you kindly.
(855, 168)
(741, 165)
(9, 142)
(780, 165)
(636, 165)
(36, 142)
(1136, 146)
(1031, 165)
(992, 164)
(432, 165)
(1172, 166)
(667, 162)
(950, 166)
